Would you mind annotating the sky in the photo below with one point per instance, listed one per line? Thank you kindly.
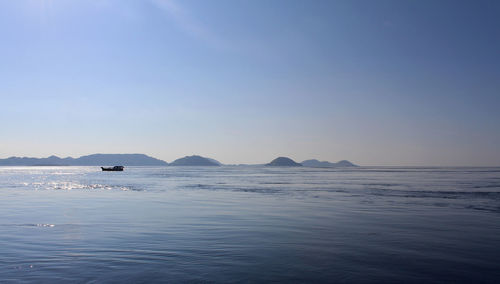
(410, 83)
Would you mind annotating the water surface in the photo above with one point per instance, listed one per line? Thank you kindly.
(249, 224)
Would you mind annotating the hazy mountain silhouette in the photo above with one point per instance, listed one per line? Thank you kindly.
(283, 162)
(90, 160)
(195, 161)
(324, 164)
(119, 159)
(144, 160)
(345, 163)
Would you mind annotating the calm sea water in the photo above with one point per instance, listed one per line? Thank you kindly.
(249, 224)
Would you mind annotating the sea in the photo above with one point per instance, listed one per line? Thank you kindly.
(249, 224)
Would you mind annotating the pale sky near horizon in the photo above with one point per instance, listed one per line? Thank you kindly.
(374, 82)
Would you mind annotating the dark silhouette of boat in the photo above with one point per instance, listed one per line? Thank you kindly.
(113, 169)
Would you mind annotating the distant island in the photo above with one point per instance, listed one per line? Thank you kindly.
(90, 160)
(145, 160)
(324, 164)
(195, 161)
(313, 163)
(283, 162)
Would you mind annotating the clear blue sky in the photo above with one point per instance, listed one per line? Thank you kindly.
(374, 82)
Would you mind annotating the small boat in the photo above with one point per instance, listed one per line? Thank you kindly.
(113, 169)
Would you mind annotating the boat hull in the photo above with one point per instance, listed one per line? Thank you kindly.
(113, 169)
